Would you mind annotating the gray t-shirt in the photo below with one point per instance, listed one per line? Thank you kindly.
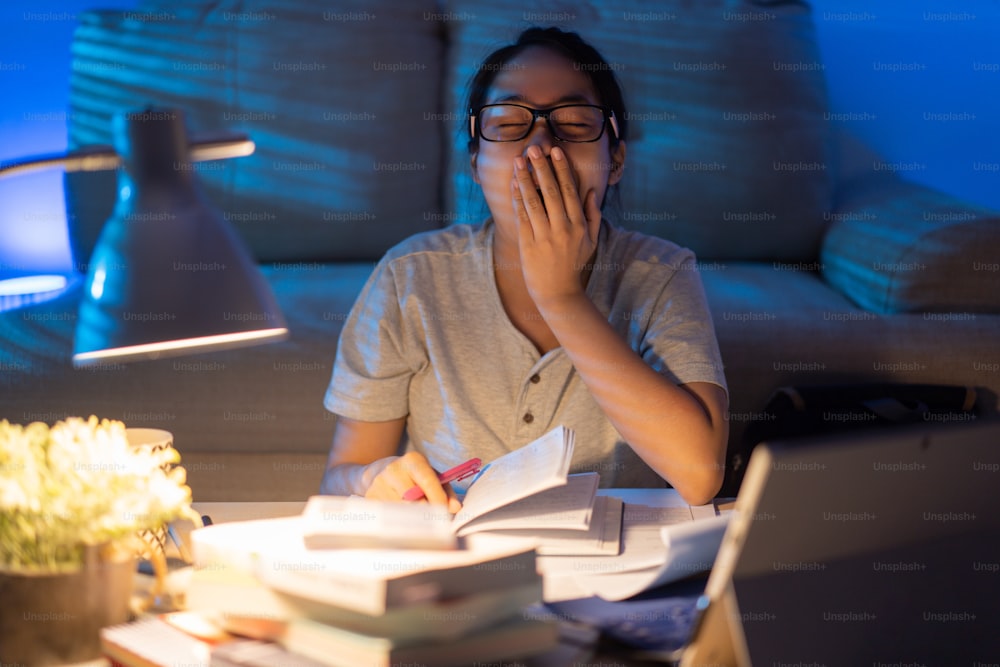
(429, 338)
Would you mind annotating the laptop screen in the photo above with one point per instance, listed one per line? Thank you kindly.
(880, 548)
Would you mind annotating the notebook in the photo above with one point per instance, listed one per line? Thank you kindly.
(529, 488)
(527, 496)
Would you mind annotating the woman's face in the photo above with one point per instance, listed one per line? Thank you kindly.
(540, 78)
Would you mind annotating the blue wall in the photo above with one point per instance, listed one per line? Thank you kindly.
(929, 73)
(34, 73)
(918, 80)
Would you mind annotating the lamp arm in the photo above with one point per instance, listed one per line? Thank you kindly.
(102, 158)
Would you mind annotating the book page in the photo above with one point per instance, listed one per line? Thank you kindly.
(537, 466)
(690, 548)
(642, 551)
(568, 507)
(601, 538)
(153, 641)
(643, 546)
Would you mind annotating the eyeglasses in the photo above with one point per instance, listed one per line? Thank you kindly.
(578, 123)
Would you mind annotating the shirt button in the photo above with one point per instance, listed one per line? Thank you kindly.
(536, 378)
(528, 417)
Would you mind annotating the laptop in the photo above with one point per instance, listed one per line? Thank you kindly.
(867, 548)
(871, 548)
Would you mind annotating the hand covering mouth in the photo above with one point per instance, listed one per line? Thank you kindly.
(534, 176)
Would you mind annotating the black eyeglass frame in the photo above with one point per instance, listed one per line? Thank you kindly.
(476, 130)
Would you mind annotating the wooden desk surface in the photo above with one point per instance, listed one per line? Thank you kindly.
(223, 512)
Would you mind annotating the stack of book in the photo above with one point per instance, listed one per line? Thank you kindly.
(356, 582)
(369, 606)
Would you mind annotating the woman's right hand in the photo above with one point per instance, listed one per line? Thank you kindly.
(362, 462)
(400, 473)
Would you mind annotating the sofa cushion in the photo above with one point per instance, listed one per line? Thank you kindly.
(729, 150)
(898, 247)
(334, 97)
(779, 325)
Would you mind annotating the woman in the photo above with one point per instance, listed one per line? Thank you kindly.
(476, 339)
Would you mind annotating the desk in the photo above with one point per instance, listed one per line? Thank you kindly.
(221, 512)
(558, 586)
(643, 531)
(224, 512)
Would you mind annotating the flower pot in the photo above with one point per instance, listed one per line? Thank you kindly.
(56, 618)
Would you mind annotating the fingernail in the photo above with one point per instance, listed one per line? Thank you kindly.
(519, 163)
(556, 153)
(534, 152)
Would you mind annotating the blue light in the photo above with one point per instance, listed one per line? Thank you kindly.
(25, 290)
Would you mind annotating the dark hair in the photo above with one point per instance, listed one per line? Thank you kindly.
(583, 55)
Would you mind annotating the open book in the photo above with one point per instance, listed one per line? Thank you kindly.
(526, 493)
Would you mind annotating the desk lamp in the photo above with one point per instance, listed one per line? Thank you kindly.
(169, 275)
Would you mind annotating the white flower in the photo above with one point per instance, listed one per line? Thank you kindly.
(81, 483)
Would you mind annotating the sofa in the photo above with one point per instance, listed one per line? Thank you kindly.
(821, 262)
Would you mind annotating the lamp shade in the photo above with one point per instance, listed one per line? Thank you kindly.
(168, 275)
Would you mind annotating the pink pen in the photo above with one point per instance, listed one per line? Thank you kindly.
(459, 472)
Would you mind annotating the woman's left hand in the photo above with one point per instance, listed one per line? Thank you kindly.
(557, 230)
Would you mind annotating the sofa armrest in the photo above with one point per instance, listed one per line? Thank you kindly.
(896, 246)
